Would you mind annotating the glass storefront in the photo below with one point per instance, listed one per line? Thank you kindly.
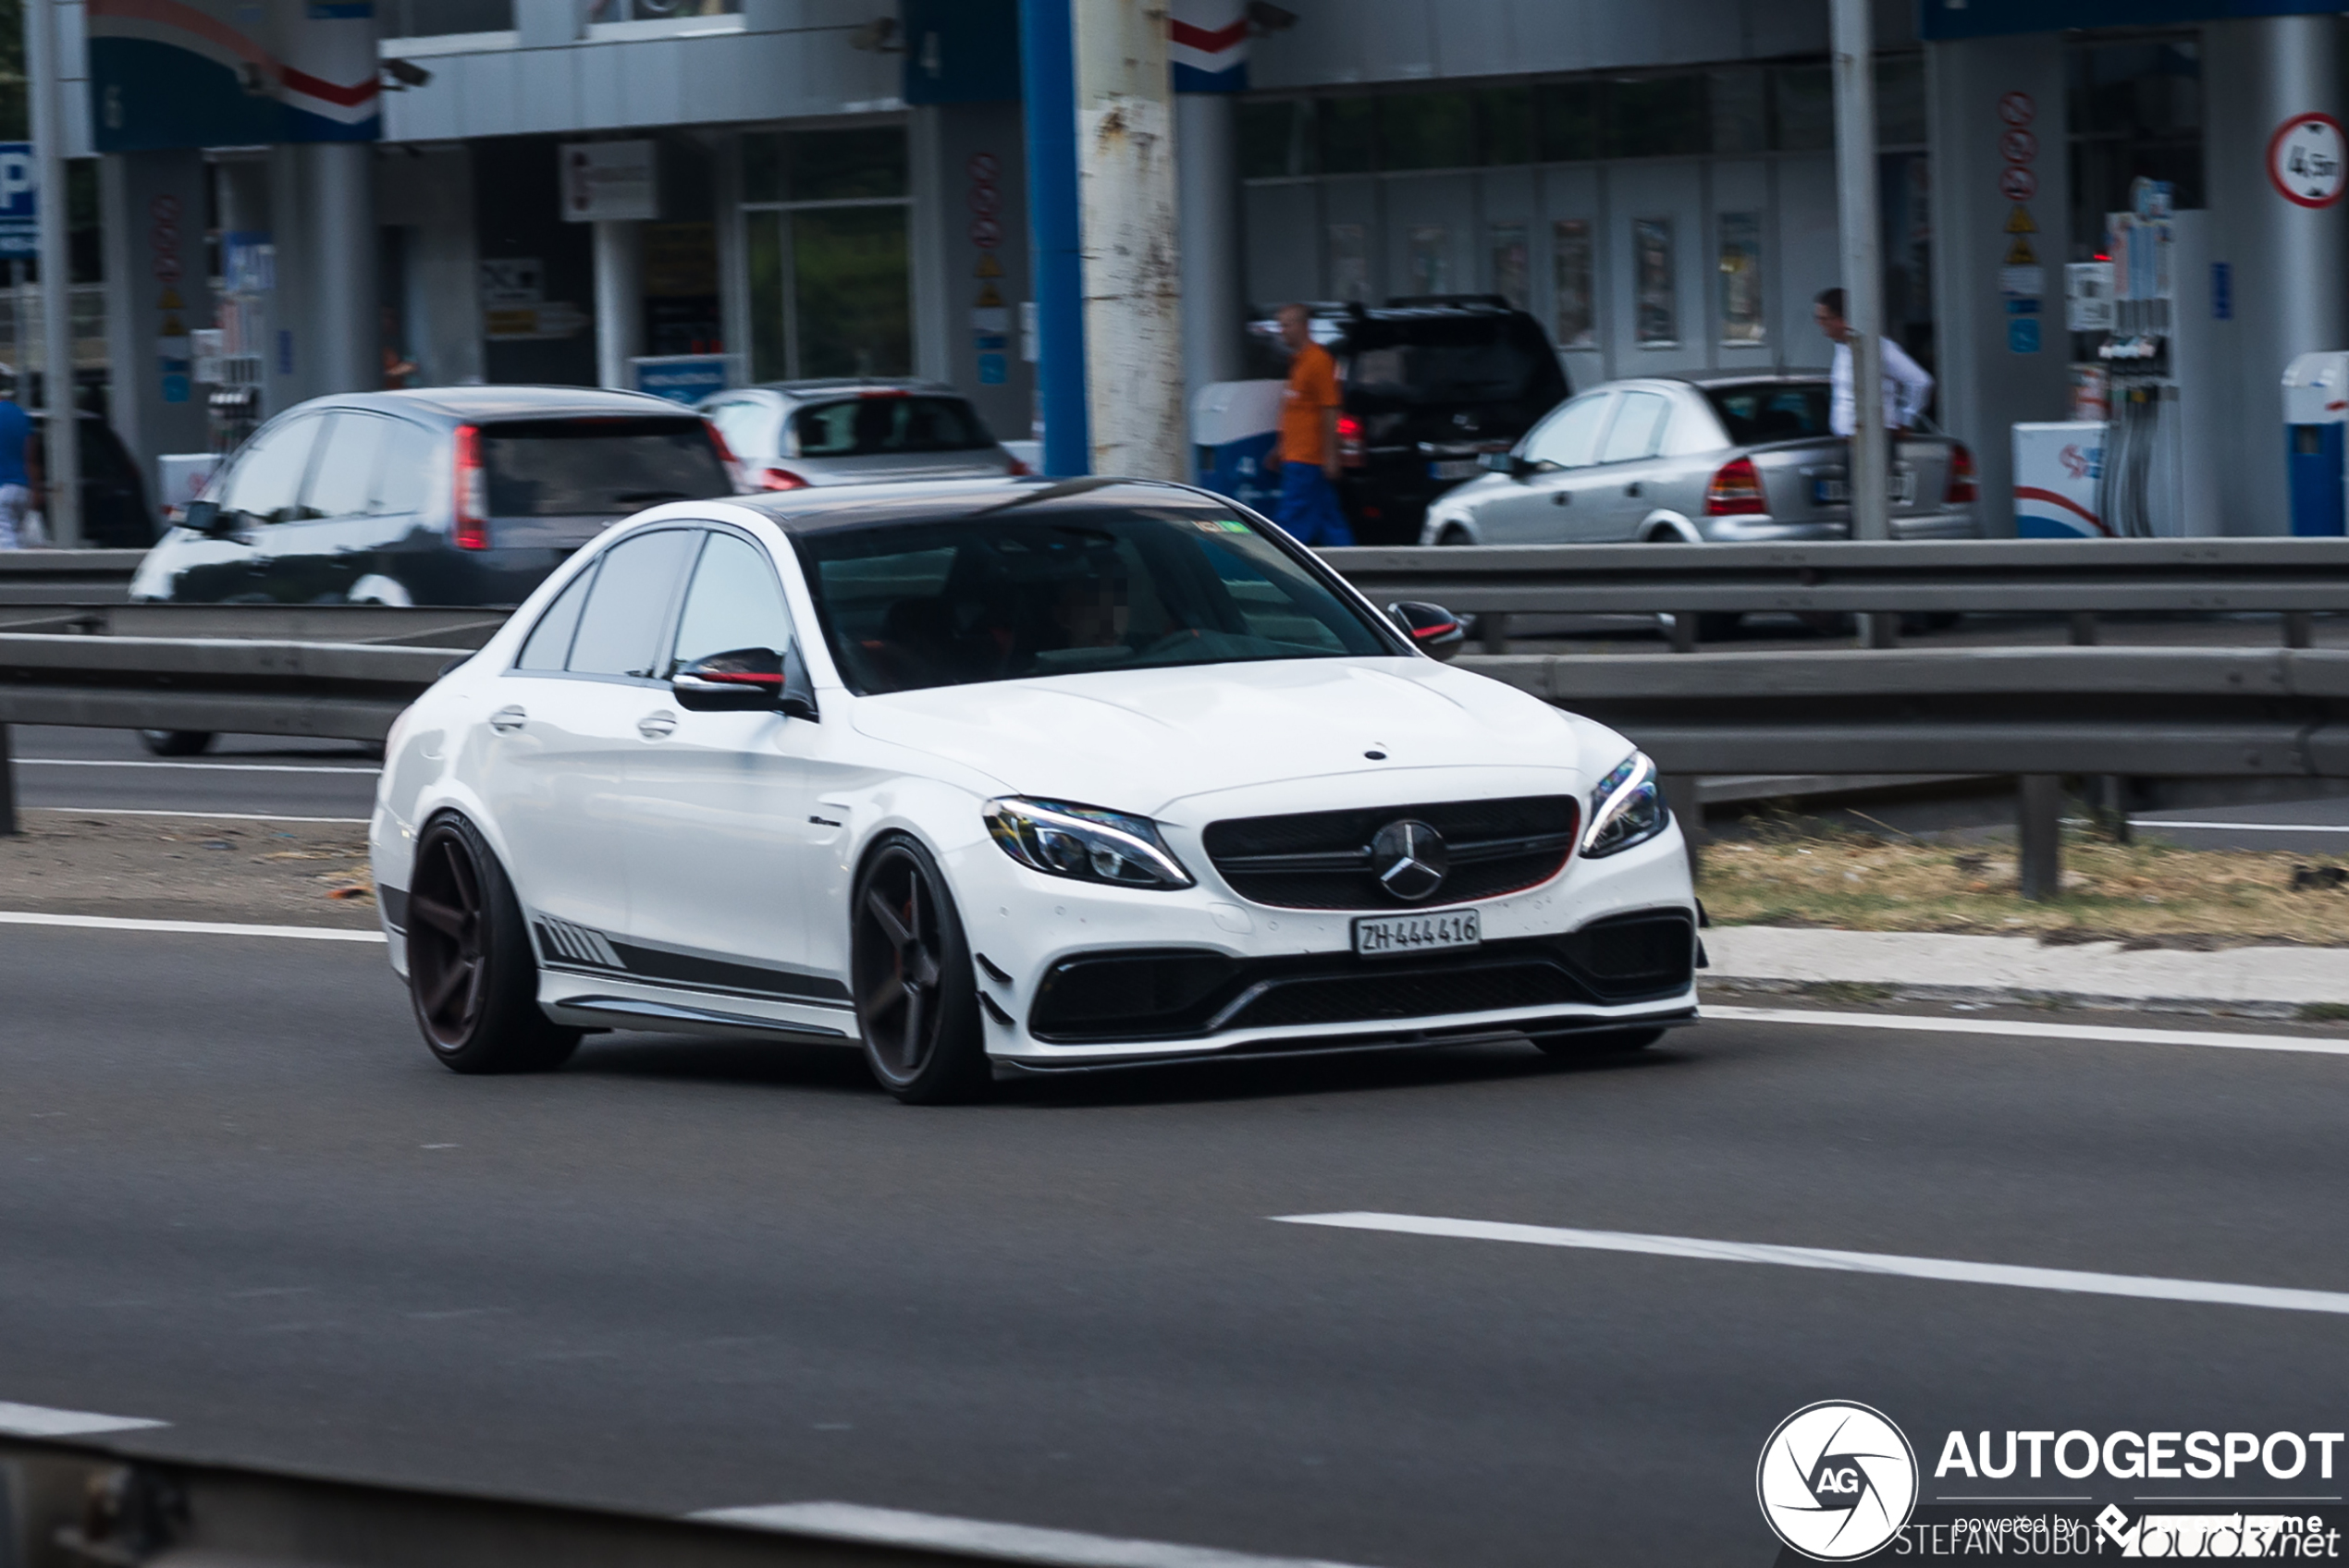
(825, 233)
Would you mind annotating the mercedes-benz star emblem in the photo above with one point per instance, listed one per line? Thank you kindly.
(1409, 860)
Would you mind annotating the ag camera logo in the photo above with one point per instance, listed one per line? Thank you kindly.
(1836, 1480)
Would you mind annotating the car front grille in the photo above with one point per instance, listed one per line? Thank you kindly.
(1321, 859)
(1187, 993)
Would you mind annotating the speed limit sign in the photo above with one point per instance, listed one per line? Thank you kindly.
(2306, 160)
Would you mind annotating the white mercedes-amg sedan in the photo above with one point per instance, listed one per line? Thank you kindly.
(999, 776)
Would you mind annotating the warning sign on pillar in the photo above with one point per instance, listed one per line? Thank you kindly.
(2305, 160)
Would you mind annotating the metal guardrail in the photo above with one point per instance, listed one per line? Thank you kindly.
(458, 628)
(338, 690)
(86, 1505)
(63, 577)
(2084, 578)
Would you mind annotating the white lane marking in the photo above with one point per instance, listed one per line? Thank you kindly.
(2247, 826)
(188, 927)
(198, 815)
(207, 767)
(1015, 1543)
(2106, 1034)
(2142, 1286)
(39, 1421)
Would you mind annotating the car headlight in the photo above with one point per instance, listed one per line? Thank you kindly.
(1625, 809)
(1085, 842)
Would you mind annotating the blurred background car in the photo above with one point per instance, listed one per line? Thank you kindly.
(1430, 383)
(1664, 459)
(115, 510)
(788, 435)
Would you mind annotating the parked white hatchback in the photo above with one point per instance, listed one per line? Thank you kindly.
(1001, 776)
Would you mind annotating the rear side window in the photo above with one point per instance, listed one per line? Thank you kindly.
(342, 482)
(628, 607)
(575, 468)
(265, 485)
(734, 603)
(873, 427)
(1771, 411)
(548, 646)
(1639, 421)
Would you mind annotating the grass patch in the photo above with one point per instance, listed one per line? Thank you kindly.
(1797, 872)
(1848, 993)
(2323, 1013)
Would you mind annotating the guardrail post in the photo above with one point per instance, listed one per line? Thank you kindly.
(2299, 629)
(1877, 629)
(7, 786)
(2039, 835)
(1492, 631)
(1684, 631)
(2084, 628)
(1687, 801)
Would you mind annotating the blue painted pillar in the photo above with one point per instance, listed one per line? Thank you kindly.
(1048, 62)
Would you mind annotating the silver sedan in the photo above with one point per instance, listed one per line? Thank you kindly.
(1662, 459)
(788, 435)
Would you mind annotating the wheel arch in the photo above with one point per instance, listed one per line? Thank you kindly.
(1662, 527)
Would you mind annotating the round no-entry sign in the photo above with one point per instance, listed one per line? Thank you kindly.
(2016, 108)
(2306, 160)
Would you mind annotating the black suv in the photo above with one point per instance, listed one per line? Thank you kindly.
(449, 496)
(1430, 383)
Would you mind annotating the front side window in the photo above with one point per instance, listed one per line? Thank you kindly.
(910, 605)
(265, 485)
(732, 603)
(879, 426)
(1571, 437)
(628, 607)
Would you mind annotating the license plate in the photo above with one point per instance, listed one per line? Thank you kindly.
(1901, 489)
(1453, 468)
(1393, 936)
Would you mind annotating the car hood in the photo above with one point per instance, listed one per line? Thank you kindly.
(1136, 740)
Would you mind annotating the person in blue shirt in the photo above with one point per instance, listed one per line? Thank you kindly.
(19, 471)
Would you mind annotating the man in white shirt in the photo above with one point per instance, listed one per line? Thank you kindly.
(1906, 385)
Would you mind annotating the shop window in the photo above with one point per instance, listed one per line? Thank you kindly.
(824, 166)
(1350, 263)
(1655, 117)
(1431, 259)
(429, 18)
(850, 280)
(1509, 263)
(1655, 299)
(1277, 138)
(1739, 111)
(1802, 108)
(658, 10)
(1568, 115)
(1505, 125)
(762, 248)
(1739, 261)
(1346, 139)
(1426, 131)
(1573, 288)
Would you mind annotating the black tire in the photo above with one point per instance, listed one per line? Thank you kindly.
(1596, 1042)
(176, 742)
(910, 965)
(471, 977)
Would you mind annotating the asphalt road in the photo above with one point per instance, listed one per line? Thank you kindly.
(241, 1199)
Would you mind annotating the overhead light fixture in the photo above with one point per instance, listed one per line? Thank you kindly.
(404, 74)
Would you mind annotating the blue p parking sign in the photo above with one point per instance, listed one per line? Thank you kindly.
(19, 201)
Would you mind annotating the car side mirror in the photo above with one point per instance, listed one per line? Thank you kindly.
(204, 517)
(1433, 629)
(746, 680)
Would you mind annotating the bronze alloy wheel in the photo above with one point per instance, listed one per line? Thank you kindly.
(472, 976)
(917, 1002)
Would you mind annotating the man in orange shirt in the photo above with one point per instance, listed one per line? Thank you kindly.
(1306, 455)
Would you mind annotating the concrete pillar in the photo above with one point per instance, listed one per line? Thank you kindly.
(291, 353)
(152, 210)
(2286, 261)
(1133, 274)
(1996, 372)
(344, 308)
(1207, 200)
(620, 299)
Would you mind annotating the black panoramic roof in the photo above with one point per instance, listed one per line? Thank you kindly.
(824, 509)
(461, 404)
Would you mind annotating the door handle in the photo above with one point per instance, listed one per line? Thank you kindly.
(1561, 498)
(656, 725)
(508, 719)
(1632, 488)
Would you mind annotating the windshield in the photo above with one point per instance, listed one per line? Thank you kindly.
(1774, 411)
(877, 426)
(567, 468)
(912, 606)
